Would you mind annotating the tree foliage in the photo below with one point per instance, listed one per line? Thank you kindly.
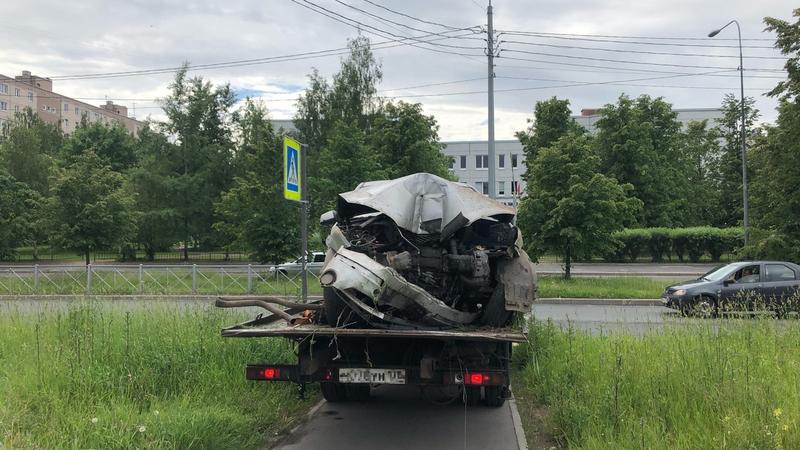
(18, 204)
(552, 119)
(29, 150)
(90, 207)
(572, 209)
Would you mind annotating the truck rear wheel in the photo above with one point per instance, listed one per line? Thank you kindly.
(494, 396)
(472, 395)
(332, 306)
(358, 392)
(333, 392)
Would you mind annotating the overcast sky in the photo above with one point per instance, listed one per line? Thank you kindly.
(57, 38)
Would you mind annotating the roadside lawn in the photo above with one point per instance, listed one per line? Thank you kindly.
(606, 287)
(98, 376)
(689, 387)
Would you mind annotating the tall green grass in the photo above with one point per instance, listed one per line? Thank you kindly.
(97, 376)
(696, 387)
(612, 287)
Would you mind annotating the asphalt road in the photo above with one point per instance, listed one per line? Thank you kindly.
(399, 417)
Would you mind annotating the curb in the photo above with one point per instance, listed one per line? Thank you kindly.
(550, 273)
(599, 301)
(522, 443)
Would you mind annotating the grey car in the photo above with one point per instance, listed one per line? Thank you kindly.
(737, 284)
(292, 268)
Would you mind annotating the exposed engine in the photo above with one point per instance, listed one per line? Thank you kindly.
(470, 268)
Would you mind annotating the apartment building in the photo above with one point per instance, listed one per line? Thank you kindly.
(31, 91)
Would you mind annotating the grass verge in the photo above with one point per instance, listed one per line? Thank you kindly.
(736, 386)
(97, 376)
(616, 287)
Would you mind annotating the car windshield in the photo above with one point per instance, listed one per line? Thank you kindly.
(718, 273)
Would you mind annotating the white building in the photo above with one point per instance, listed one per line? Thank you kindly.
(469, 159)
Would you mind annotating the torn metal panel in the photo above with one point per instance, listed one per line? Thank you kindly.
(423, 203)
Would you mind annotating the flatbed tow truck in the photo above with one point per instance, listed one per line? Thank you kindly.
(472, 361)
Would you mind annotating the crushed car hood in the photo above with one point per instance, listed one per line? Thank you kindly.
(424, 204)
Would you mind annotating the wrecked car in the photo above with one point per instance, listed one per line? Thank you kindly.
(423, 252)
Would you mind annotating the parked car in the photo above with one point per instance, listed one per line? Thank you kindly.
(292, 268)
(738, 285)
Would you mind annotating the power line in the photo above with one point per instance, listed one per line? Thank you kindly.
(613, 70)
(377, 31)
(613, 41)
(239, 63)
(662, 38)
(392, 21)
(640, 85)
(587, 58)
(644, 52)
(411, 17)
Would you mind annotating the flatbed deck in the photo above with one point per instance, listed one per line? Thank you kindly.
(269, 328)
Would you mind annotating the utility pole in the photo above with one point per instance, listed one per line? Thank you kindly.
(304, 222)
(490, 56)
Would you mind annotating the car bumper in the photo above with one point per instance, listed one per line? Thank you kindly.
(671, 301)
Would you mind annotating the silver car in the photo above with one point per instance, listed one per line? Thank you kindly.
(293, 268)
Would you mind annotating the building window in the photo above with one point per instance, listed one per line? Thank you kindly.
(16, 108)
(481, 161)
(3, 89)
(3, 106)
(451, 162)
(501, 161)
(77, 111)
(66, 122)
(501, 187)
(66, 107)
(16, 92)
(514, 162)
(463, 162)
(482, 187)
(30, 96)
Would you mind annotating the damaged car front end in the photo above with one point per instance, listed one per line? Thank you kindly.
(422, 252)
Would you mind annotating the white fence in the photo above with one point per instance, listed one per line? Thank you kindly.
(123, 279)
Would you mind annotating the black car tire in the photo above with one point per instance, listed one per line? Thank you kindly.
(704, 306)
(495, 313)
(332, 306)
(494, 396)
(472, 395)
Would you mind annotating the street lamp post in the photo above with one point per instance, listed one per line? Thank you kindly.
(744, 144)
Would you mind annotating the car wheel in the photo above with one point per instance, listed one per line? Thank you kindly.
(704, 306)
(332, 306)
(472, 395)
(495, 313)
(494, 396)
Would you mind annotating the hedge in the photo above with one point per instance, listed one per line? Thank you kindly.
(662, 243)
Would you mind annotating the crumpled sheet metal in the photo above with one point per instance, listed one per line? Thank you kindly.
(424, 204)
(384, 286)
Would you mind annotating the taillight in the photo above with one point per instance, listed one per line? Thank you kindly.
(476, 378)
(271, 373)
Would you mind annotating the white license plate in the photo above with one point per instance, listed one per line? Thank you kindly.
(377, 376)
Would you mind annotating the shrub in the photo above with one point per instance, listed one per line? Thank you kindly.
(659, 243)
(633, 241)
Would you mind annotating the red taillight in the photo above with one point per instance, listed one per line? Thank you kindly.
(271, 373)
(476, 378)
(328, 375)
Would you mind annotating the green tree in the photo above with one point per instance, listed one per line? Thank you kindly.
(775, 157)
(154, 183)
(200, 168)
(111, 142)
(638, 141)
(407, 141)
(701, 148)
(253, 212)
(29, 149)
(90, 207)
(570, 208)
(18, 204)
(729, 164)
(552, 119)
(349, 100)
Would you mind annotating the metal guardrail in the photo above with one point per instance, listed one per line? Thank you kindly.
(142, 279)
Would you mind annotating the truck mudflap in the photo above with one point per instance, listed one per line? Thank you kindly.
(359, 374)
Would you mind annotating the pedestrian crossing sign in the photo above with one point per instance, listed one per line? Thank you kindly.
(292, 170)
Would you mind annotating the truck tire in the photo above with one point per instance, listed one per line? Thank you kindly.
(494, 396)
(472, 395)
(333, 392)
(357, 392)
(332, 306)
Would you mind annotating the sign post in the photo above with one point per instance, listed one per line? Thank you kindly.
(294, 188)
